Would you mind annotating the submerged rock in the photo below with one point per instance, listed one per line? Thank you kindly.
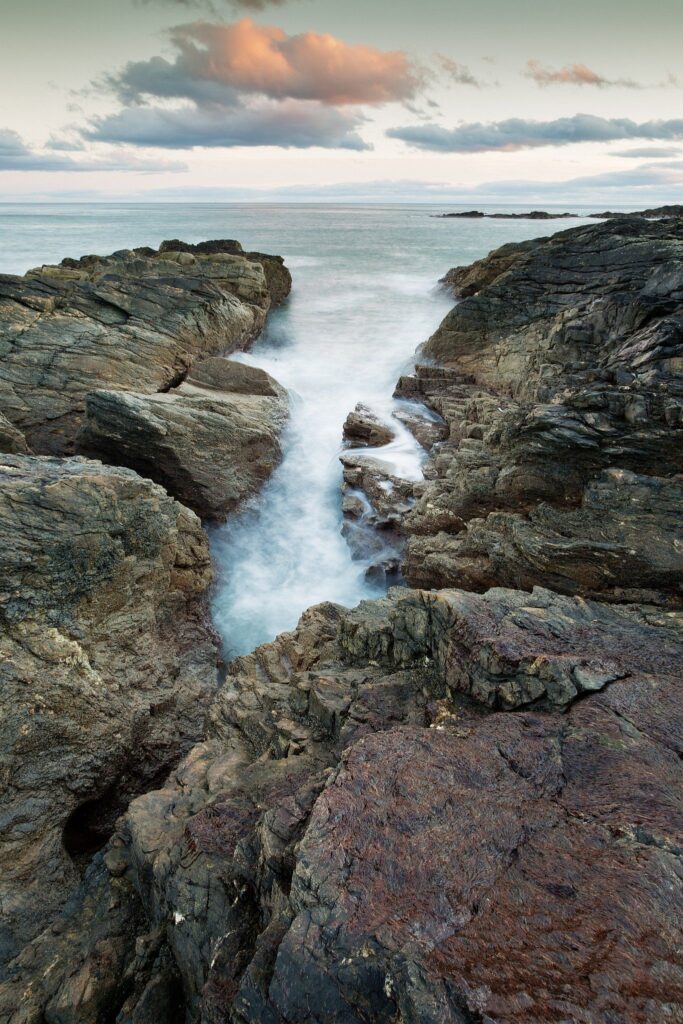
(135, 320)
(211, 442)
(108, 661)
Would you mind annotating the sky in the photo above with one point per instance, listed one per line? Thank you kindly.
(492, 101)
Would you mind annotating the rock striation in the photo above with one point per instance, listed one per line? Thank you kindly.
(211, 442)
(132, 321)
(108, 662)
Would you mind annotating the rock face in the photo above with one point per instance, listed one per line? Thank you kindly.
(135, 320)
(12, 441)
(356, 834)
(211, 442)
(108, 662)
(278, 277)
(466, 281)
(562, 392)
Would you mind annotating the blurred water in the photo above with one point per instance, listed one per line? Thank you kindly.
(364, 297)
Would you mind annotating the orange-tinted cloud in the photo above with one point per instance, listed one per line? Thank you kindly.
(573, 74)
(263, 59)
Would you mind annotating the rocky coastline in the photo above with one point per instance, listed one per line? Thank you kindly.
(457, 804)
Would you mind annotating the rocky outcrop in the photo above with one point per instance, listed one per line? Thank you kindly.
(562, 392)
(363, 427)
(531, 215)
(133, 321)
(108, 662)
(278, 277)
(466, 281)
(211, 442)
(356, 833)
(655, 212)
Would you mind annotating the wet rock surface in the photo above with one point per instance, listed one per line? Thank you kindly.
(363, 427)
(108, 663)
(135, 320)
(211, 442)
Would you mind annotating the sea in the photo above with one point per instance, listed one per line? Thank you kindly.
(365, 295)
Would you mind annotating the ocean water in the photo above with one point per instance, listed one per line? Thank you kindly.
(365, 295)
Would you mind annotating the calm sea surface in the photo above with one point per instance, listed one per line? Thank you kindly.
(364, 297)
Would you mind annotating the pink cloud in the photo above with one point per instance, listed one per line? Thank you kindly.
(310, 66)
(573, 74)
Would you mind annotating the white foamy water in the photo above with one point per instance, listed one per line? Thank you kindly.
(364, 298)
(343, 338)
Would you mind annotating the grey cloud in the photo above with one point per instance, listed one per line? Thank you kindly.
(64, 145)
(165, 80)
(212, 6)
(648, 152)
(458, 73)
(518, 133)
(15, 155)
(289, 124)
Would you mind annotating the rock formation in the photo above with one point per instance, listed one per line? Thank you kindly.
(211, 442)
(356, 834)
(135, 320)
(531, 215)
(560, 383)
(108, 662)
(455, 804)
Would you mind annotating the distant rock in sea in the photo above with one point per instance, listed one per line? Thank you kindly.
(532, 215)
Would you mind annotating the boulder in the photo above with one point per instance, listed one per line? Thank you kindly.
(211, 442)
(136, 320)
(108, 662)
(363, 428)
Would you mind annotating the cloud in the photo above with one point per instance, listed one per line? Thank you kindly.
(289, 124)
(237, 5)
(643, 183)
(264, 60)
(649, 152)
(574, 74)
(252, 85)
(518, 133)
(458, 73)
(15, 155)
